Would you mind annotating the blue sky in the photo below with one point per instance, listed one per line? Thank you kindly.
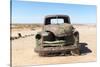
(34, 12)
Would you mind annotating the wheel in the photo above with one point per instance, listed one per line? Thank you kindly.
(75, 52)
(38, 42)
(76, 40)
(42, 54)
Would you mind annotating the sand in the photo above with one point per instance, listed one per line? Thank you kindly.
(23, 48)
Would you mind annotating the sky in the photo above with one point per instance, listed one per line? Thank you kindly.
(34, 12)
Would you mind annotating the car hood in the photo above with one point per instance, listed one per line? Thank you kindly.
(59, 29)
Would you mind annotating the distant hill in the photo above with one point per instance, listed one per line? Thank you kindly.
(21, 26)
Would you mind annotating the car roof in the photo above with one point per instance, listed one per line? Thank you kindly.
(49, 17)
(54, 16)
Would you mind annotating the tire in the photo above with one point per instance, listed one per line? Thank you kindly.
(76, 39)
(75, 52)
(41, 54)
(38, 42)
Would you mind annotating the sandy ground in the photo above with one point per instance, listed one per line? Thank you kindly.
(23, 49)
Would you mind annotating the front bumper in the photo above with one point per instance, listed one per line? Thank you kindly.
(54, 49)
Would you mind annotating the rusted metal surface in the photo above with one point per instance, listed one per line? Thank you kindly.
(55, 49)
(59, 29)
(57, 37)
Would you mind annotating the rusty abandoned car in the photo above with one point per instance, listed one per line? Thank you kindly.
(58, 36)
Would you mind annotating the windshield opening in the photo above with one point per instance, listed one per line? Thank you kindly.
(56, 21)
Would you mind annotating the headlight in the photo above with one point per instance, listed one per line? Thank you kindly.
(42, 34)
(38, 36)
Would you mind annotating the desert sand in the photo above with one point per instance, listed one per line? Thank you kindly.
(23, 48)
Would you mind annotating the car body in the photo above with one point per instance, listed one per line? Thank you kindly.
(58, 38)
